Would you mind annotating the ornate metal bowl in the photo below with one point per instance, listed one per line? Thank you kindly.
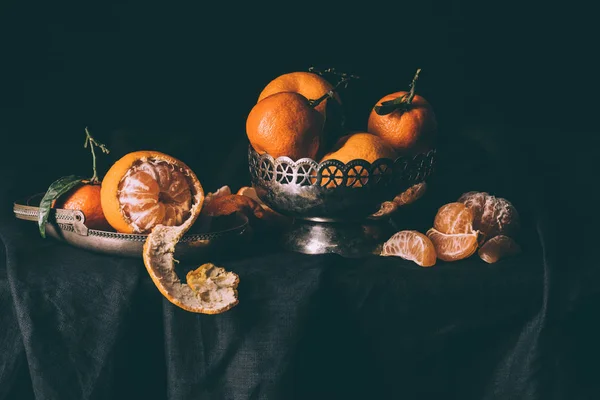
(69, 226)
(332, 190)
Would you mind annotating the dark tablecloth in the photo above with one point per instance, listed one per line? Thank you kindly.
(79, 325)
(82, 325)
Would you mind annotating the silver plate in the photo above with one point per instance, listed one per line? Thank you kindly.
(225, 233)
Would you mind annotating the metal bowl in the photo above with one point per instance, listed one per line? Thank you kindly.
(69, 226)
(332, 190)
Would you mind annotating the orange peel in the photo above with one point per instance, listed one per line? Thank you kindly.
(160, 243)
(410, 195)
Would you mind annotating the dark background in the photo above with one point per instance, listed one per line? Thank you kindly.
(182, 78)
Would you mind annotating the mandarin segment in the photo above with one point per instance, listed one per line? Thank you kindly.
(454, 218)
(453, 247)
(498, 248)
(411, 245)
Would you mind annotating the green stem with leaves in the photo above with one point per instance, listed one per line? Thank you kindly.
(401, 103)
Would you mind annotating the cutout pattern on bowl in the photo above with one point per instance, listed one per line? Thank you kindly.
(335, 174)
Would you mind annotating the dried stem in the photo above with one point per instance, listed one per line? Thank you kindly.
(344, 79)
(93, 143)
(413, 85)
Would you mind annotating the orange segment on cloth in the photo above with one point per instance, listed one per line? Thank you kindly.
(411, 245)
(453, 247)
(498, 248)
(454, 218)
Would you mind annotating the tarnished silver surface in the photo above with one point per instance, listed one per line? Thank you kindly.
(69, 226)
(335, 205)
(348, 239)
(332, 190)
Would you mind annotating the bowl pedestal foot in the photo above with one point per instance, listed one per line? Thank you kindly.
(347, 239)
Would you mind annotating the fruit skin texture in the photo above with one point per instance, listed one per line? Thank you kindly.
(309, 85)
(284, 124)
(110, 185)
(86, 198)
(408, 132)
(492, 215)
(361, 145)
(159, 261)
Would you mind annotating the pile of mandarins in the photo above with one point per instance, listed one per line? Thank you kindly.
(289, 119)
(477, 220)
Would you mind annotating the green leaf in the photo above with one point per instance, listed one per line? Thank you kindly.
(55, 190)
(388, 107)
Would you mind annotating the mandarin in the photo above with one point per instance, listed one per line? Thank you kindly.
(85, 198)
(360, 145)
(285, 124)
(147, 188)
(404, 120)
(308, 84)
(492, 215)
